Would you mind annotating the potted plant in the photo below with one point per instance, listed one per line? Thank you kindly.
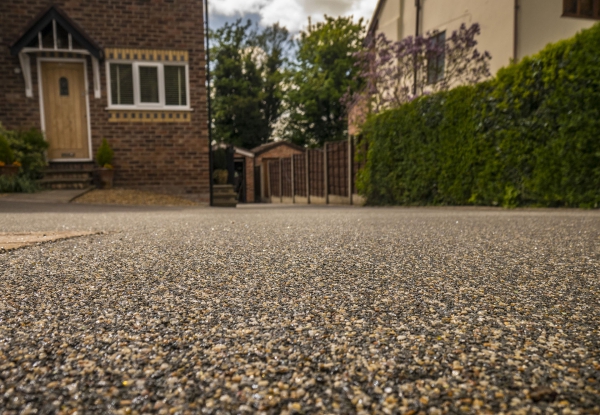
(105, 172)
(9, 169)
(220, 176)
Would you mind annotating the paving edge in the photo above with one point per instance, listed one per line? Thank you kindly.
(83, 191)
(37, 243)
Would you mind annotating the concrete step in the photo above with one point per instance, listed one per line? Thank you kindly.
(65, 183)
(224, 195)
(223, 189)
(76, 175)
(64, 174)
(85, 166)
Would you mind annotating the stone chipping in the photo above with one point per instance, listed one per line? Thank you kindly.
(303, 310)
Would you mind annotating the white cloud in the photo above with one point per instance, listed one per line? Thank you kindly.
(235, 7)
(288, 13)
(293, 14)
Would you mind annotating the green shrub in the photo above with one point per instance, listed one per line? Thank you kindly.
(527, 137)
(6, 153)
(28, 148)
(17, 184)
(104, 156)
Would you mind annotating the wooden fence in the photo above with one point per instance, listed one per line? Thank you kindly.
(320, 176)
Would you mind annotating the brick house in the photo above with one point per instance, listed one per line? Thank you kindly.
(130, 71)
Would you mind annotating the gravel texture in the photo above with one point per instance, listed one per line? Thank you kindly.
(303, 310)
(131, 197)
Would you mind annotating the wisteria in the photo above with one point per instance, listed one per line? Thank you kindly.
(395, 73)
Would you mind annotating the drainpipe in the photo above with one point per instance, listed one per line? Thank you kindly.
(417, 30)
(210, 156)
(516, 32)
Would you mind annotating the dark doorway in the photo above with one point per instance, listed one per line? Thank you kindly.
(239, 179)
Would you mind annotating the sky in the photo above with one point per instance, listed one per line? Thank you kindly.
(292, 14)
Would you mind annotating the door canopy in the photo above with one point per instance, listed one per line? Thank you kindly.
(53, 30)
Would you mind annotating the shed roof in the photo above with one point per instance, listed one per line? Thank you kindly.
(274, 144)
(238, 150)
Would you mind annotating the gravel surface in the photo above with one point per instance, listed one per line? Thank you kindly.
(131, 197)
(303, 310)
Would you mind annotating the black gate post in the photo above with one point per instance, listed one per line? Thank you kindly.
(230, 165)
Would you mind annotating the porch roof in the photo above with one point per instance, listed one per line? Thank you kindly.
(47, 17)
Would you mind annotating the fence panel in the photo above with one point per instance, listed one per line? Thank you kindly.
(274, 177)
(286, 177)
(337, 166)
(316, 171)
(299, 175)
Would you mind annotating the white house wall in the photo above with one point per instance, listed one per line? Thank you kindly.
(389, 19)
(539, 22)
(496, 18)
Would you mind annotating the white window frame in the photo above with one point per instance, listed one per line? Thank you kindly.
(137, 93)
(137, 103)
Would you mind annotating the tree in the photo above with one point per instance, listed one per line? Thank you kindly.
(247, 82)
(274, 41)
(324, 70)
(395, 73)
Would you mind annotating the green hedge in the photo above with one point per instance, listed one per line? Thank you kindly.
(530, 136)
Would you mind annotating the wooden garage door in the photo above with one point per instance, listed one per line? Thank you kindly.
(65, 110)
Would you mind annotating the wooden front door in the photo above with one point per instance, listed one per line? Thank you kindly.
(65, 110)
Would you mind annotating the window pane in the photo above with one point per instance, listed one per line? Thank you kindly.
(436, 61)
(570, 6)
(586, 7)
(48, 37)
(149, 84)
(62, 37)
(175, 86)
(121, 84)
(76, 44)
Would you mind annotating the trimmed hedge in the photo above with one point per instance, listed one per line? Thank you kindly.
(530, 136)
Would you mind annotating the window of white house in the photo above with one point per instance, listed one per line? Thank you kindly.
(436, 61)
(585, 9)
(148, 85)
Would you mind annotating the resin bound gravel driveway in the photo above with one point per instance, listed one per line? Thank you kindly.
(302, 310)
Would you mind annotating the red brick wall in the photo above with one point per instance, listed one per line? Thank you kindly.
(250, 180)
(166, 157)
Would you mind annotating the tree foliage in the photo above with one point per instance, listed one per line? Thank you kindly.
(247, 81)
(324, 70)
